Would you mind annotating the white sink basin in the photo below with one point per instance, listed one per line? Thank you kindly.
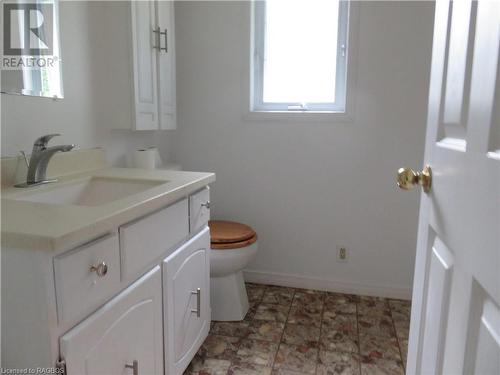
(92, 192)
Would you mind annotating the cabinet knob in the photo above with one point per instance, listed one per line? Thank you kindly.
(207, 205)
(100, 269)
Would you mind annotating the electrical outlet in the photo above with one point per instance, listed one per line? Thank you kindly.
(342, 254)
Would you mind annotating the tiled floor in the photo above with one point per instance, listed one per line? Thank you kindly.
(296, 331)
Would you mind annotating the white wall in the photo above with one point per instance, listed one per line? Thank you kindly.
(307, 187)
(97, 88)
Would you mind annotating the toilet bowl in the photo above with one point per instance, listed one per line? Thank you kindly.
(233, 247)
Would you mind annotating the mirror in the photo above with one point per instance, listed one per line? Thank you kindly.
(31, 60)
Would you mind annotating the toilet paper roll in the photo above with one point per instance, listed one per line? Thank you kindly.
(147, 158)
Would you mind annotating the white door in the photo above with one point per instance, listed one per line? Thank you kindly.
(455, 324)
(166, 65)
(145, 43)
(187, 302)
(124, 337)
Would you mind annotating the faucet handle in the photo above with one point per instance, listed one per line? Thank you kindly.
(41, 143)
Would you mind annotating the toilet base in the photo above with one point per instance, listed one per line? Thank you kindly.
(229, 300)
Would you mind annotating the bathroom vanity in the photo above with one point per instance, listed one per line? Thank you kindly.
(106, 271)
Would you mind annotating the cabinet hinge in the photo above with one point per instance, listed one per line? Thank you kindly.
(61, 366)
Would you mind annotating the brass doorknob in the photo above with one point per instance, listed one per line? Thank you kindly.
(408, 178)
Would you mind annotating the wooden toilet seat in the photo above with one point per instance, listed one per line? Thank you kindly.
(227, 235)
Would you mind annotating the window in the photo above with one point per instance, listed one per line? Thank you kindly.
(300, 55)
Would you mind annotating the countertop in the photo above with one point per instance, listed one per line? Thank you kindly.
(43, 226)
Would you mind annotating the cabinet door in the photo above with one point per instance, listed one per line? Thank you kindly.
(166, 65)
(186, 291)
(144, 41)
(126, 329)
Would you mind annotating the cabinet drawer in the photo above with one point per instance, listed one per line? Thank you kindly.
(145, 240)
(81, 289)
(199, 209)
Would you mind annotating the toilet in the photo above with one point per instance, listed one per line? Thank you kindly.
(233, 247)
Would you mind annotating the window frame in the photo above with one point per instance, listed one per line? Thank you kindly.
(257, 77)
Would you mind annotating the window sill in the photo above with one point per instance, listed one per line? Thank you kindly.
(298, 116)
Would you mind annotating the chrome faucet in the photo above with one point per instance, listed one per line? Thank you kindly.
(39, 160)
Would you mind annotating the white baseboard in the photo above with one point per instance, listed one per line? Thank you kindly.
(295, 281)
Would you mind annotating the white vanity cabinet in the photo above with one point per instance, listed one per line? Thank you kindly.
(134, 301)
(153, 62)
(186, 275)
(122, 337)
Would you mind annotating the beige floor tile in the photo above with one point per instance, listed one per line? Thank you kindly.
(305, 297)
(285, 371)
(257, 352)
(207, 366)
(340, 304)
(236, 329)
(296, 358)
(332, 340)
(272, 312)
(403, 344)
(402, 326)
(252, 309)
(333, 363)
(249, 369)
(378, 307)
(340, 322)
(297, 334)
(305, 315)
(381, 367)
(219, 347)
(379, 347)
(266, 330)
(377, 325)
(403, 331)
(278, 295)
(255, 292)
(400, 306)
